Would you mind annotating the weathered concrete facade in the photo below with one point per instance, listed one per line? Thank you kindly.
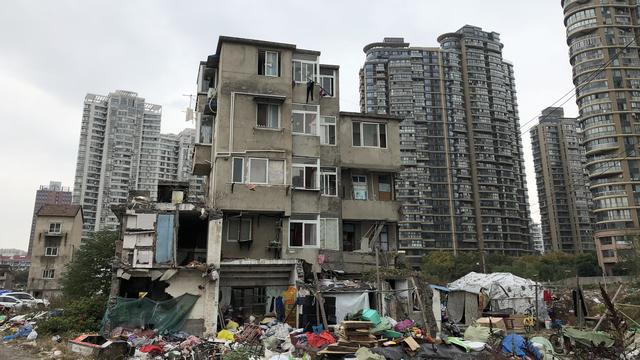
(294, 187)
(58, 234)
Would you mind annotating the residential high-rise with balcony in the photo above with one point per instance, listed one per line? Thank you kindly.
(536, 238)
(121, 149)
(56, 194)
(563, 186)
(463, 185)
(602, 36)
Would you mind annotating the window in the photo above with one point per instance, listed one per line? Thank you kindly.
(369, 134)
(51, 251)
(268, 63)
(360, 187)
(329, 234)
(251, 301)
(238, 229)
(328, 181)
(304, 71)
(304, 119)
(327, 81)
(349, 237)
(238, 170)
(54, 228)
(384, 187)
(303, 232)
(258, 171)
(305, 173)
(327, 130)
(268, 116)
(261, 171)
(48, 273)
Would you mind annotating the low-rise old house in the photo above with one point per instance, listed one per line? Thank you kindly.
(295, 187)
(58, 233)
(6, 277)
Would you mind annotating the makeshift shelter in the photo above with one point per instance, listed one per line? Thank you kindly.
(502, 292)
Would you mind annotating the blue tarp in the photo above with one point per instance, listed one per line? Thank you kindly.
(164, 240)
(517, 345)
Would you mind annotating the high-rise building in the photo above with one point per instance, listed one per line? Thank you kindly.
(536, 238)
(563, 186)
(55, 193)
(121, 149)
(463, 184)
(176, 152)
(603, 50)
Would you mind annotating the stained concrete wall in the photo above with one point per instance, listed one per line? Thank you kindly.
(367, 157)
(68, 244)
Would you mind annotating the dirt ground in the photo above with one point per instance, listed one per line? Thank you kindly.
(11, 352)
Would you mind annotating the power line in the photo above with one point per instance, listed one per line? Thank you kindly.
(576, 88)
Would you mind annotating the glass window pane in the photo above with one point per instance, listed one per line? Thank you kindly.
(295, 234)
(237, 169)
(258, 170)
(276, 172)
(383, 135)
(310, 234)
(370, 134)
(332, 135)
(271, 64)
(333, 185)
(233, 230)
(297, 177)
(262, 115)
(310, 177)
(310, 124)
(273, 116)
(245, 229)
(298, 122)
(297, 71)
(356, 133)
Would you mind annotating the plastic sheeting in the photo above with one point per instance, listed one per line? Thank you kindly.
(505, 290)
(164, 241)
(349, 303)
(168, 315)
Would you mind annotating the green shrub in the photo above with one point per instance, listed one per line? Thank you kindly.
(79, 316)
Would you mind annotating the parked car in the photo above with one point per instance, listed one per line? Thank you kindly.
(10, 302)
(28, 299)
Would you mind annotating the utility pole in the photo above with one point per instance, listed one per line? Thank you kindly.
(537, 314)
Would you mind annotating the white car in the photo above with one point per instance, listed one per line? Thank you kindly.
(11, 302)
(29, 300)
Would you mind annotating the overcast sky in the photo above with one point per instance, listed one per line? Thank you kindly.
(53, 52)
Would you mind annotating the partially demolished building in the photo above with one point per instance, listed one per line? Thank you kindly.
(295, 187)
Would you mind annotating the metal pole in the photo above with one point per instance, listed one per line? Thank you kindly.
(378, 283)
(536, 317)
(580, 314)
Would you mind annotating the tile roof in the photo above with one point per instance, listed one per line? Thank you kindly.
(65, 210)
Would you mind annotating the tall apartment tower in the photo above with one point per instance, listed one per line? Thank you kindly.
(563, 186)
(55, 194)
(463, 184)
(603, 50)
(121, 149)
(536, 238)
